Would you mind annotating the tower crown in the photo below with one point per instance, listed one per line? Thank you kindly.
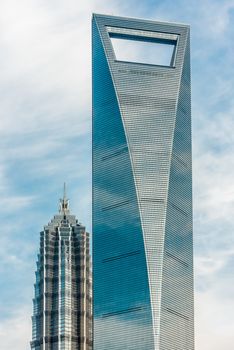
(63, 258)
(64, 203)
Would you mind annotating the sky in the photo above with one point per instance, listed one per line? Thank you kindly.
(45, 139)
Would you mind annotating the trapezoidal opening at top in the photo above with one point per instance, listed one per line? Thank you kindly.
(152, 48)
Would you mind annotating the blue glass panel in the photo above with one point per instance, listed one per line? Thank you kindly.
(121, 291)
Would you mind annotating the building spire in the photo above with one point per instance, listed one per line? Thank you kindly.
(64, 202)
(64, 191)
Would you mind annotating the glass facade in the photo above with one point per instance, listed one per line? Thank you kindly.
(142, 189)
(62, 305)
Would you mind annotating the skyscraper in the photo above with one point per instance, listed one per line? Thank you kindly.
(62, 305)
(142, 185)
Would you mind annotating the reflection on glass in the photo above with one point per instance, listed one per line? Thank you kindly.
(142, 199)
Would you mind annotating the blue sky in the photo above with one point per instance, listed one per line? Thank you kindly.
(45, 138)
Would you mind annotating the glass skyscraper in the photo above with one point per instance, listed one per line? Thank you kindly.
(62, 305)
(142, 185)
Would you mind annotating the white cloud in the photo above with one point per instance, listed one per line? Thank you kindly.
(15, 331)
(45, 97)
(214, 321)
(12, 203)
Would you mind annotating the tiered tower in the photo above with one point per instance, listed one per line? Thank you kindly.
(62, 305)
